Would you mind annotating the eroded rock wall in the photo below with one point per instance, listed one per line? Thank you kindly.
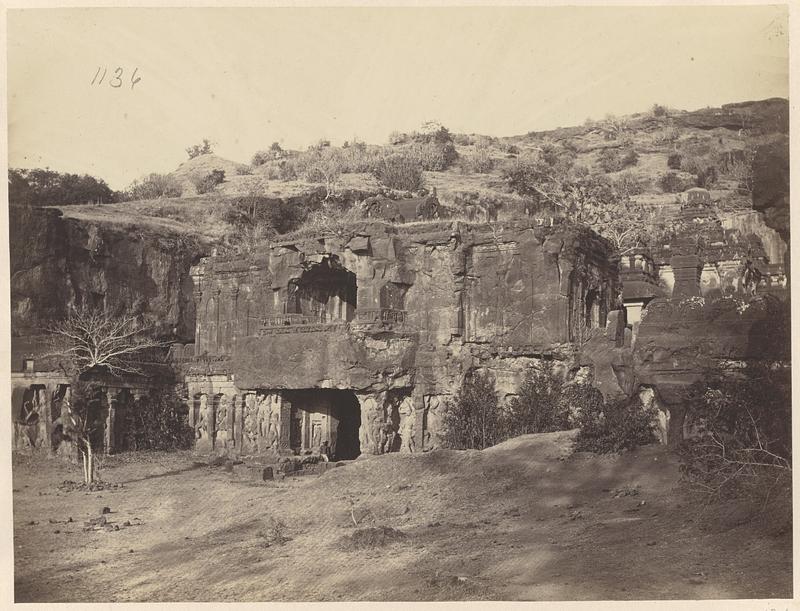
(58, 262)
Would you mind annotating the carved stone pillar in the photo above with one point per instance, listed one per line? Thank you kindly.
(197, 274)
(249, 424)
(51, 390)
(284, 442)
(111, 420)
(411, 423)
(372, 420)
(205, 425)
(238, 421)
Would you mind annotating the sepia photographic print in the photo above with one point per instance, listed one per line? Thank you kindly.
(412, 303)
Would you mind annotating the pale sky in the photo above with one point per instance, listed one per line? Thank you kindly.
(247, 77)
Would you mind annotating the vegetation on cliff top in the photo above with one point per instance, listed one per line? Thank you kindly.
(621, 175)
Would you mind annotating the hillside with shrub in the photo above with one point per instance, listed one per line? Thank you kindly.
(624, 176)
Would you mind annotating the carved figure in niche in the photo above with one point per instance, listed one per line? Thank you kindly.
(316, 434)
(376, 427)
(647, 396)
(201, 430)
(222, 412)
(382, 439)
(264, 410)
(431, 440)
(250, 420)
(365, 432)
(272, 432)
(387, 436)
(407, 418)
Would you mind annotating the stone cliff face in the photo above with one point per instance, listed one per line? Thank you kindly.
(58, 262)
(771, 185)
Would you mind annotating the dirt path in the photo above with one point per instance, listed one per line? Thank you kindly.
(519, 521)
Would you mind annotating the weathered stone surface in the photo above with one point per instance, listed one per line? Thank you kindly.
(680, 341)
(58, 262)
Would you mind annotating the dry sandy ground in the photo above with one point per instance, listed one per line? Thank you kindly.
(518, 521)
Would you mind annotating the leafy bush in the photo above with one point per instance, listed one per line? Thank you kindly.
(665, 136)
(674, 161)
(539, 407)
(616, 159)
(274, 152)
(204, 148)
(477, 162)
(333, 217)
(206, 183)
(707, 177)
(742, 426)
(260, 158)
(159, 421)
(704, 169)
(154, 186)
(399, 171)
(323, 165)
(471, 419)
(396, 138)
(287, 169)
(278, 215)
(628, 184)
(358, 158)
(659, 111)
(615, 426)
(274, 532)
(463, 140)
(671, 182)
(434, 156)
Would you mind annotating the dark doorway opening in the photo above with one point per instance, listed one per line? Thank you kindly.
(324, 415)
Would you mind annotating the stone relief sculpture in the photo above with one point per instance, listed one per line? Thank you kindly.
(273, 436)
(250, 436)
(201, 430)
(371, 425)
(407, 419)
(222, 413)
(435, 407)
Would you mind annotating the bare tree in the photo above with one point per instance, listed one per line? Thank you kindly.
(78, 422)
(91, 340)
(325, 165)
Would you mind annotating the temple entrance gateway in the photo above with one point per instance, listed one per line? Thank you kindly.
(324, 415)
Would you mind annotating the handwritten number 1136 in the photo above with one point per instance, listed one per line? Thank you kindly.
(115, 78)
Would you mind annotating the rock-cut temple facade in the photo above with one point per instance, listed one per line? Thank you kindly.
(356, 341)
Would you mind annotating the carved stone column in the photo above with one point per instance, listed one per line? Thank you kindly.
(238, 412)
(111, 420)
(197, 274)
(284, 442)
(51, 390)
